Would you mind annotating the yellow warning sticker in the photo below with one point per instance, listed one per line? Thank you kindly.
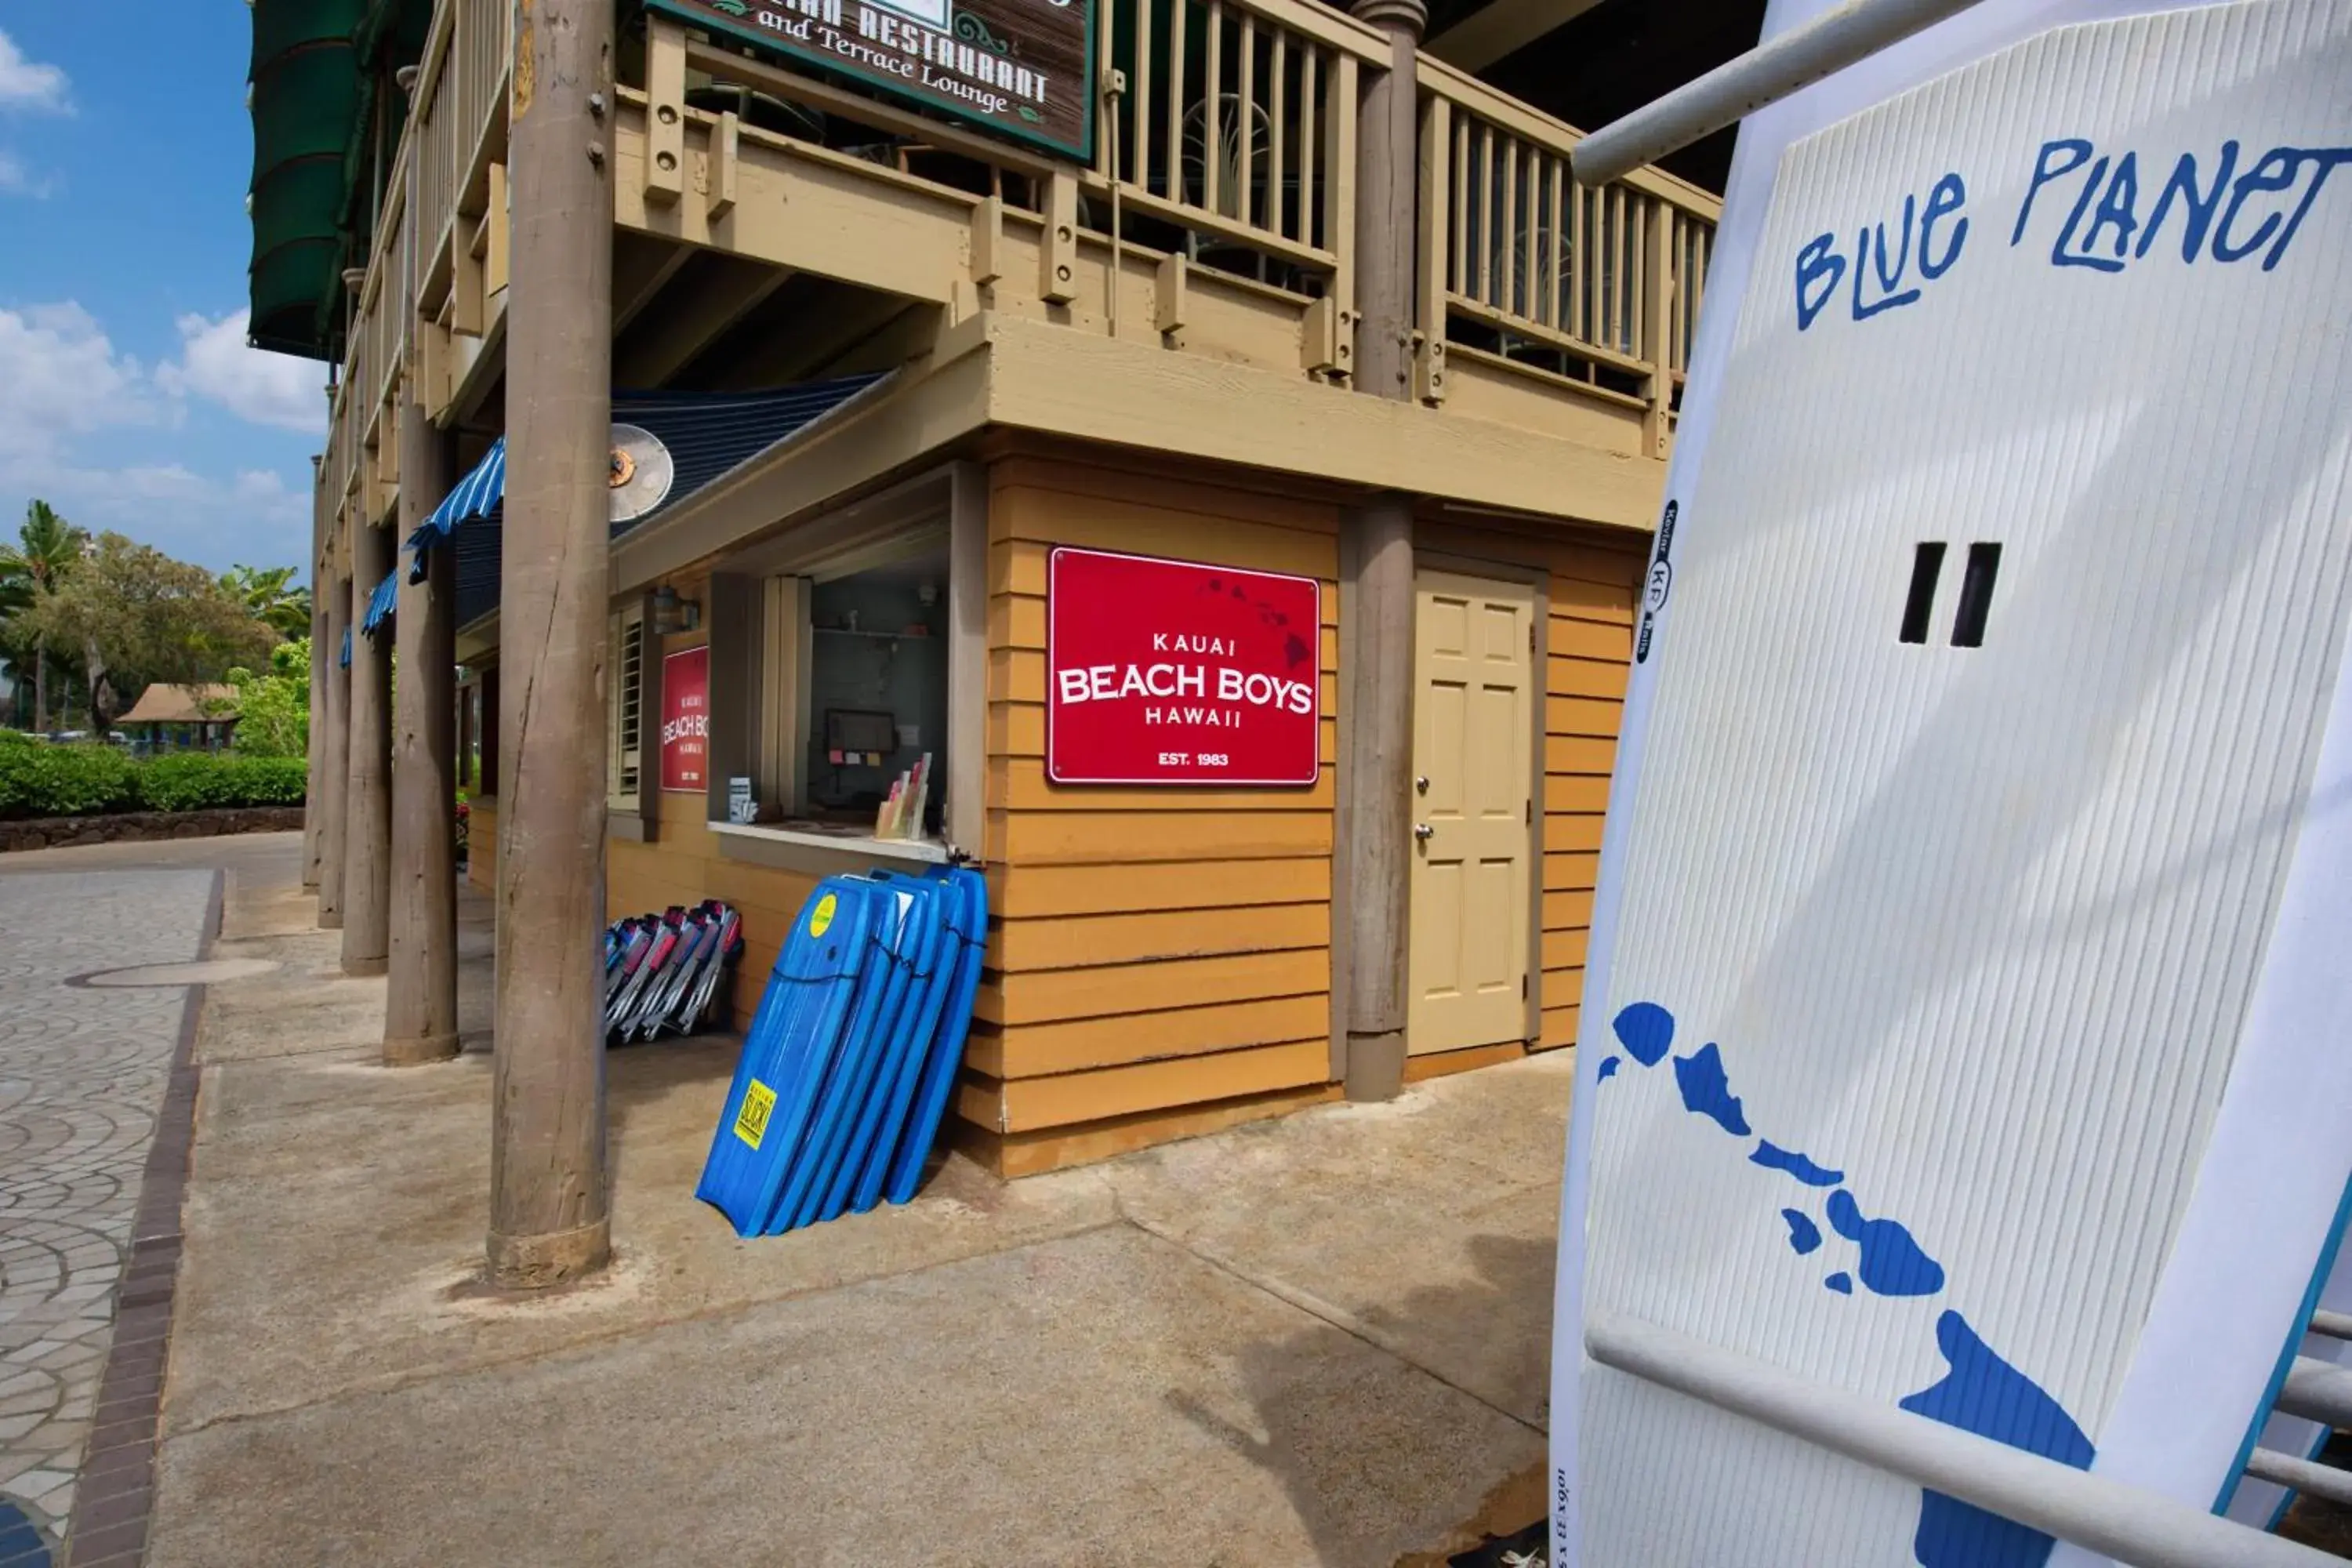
(752, 1120)
(821, 917)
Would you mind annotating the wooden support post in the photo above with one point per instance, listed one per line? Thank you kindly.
(467, 780)
(1657, 306)
(332, 781)
(988, 241)
(1376, 787)
(367, 824)
(723, 166)
(486, 767)
(550, 1210)
(1170, 293)
(314, 796)
(1430, 276)
(1058, 248)
(497, 239)
(1387, 159)
(1372, 873)
(664, 166)
(420, 1018)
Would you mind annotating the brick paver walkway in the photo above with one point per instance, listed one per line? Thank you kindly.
(82, 1076)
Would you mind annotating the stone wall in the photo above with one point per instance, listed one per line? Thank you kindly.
(57, 832)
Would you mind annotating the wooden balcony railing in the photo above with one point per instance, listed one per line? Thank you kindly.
(1600, 285)
(1227, 141)
(430, 243)
(392, 273)
(1233, 124)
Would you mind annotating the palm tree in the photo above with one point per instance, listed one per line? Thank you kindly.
(47, 548)
(16, 598)
(271, 598)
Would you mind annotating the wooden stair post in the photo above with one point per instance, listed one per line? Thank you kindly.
(550, 1210)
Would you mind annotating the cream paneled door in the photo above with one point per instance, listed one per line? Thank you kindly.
(1474, 805)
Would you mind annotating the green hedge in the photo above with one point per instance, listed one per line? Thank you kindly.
(194, 781)
(41, 780)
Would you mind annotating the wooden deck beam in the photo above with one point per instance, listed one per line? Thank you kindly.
(643, 266)
(723, 290)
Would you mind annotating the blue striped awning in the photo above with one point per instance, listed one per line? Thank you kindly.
(347, 647)
(380, 603)
(708, 434)
(475, 495)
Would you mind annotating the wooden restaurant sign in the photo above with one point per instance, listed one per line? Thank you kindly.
(1023, 69)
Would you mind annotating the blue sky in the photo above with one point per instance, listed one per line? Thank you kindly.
(127, 398)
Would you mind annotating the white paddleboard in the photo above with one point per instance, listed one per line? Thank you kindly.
(1969, 1021)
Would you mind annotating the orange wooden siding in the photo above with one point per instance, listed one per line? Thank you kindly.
(1593, 590)
(683, 865)
(1151, 948)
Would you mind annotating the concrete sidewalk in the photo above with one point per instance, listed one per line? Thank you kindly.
(1319, 1340)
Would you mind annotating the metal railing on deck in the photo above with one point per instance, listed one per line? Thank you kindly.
(1236, 128)
(1601, 285)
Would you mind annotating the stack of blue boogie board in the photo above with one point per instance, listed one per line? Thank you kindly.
(849, 1061)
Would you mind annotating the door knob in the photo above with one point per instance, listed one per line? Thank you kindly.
(1424, 831)
(1421, 783)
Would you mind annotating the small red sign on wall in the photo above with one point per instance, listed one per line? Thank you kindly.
(1174, 672)
(686, 721)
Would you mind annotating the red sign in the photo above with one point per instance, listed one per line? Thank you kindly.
(686, 721)
(1172, 672)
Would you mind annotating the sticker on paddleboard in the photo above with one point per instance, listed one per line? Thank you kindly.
(821, 917)
(759, 1101)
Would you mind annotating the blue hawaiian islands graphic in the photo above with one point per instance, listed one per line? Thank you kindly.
(1984, 1394)
(1773, 1157)
(1892, 1263)
(1706, 1090)
(1646, 1031)
(1979, 1392)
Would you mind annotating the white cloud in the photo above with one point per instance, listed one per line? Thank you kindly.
(269, 389)
(69, 402)
(61, 377)
(27, 84)
(251, 516)
(16, 179)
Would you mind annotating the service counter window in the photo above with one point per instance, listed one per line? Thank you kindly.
(846, 690)
(868, 723)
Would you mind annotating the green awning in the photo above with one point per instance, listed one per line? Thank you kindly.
(304, 90)
(312, 87)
